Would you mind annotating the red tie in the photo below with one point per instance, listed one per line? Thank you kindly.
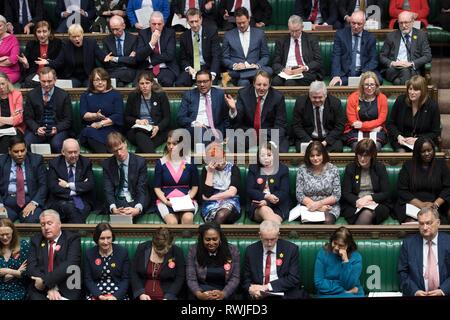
(432, 274)
(191, 4)
(156, 67)
(257, 119)
(298, 56)
(268, 265)
(237, 4)
(51, 254)
(314, 11)
(46, 98)
(20, 187)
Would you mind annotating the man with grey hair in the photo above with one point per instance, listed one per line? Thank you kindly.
(318, 116)
(297, 60)
(272, 266)
(54, 257)
(423, 265)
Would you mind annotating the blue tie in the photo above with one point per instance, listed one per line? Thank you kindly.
(24, 13)
(76, 199)
(119, 47)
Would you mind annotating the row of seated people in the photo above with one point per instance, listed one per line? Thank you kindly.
(297, 57)
(363, 197)
(94, 15)
(212, 269)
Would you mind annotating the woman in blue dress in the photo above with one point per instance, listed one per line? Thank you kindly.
(175, 177)
(13, 262)
(101, 109)
(338, 267)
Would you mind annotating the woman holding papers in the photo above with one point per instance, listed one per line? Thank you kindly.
(367, 110)
(11, 112)
(338, 267)
(365, 190)
(162, 6)
(212, 265)
(413, 115)
(318, 186)
(268, 186)
(147, 114)
(423, 181)
(175, 177)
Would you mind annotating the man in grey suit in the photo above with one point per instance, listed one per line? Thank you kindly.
(423, 265)
(405, 51)
(120, 47)
(245, 50)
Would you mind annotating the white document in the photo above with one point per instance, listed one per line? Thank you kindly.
(35, 78)
(410, 146)
(412, 211)
(385, 294)
(41, 148)
(303, 146)
(143, 16)
(306, 215)
(181, 204)
(371, 25)
(370, 206)
(307, 25)
(249, 66)
(353, 81)
(372, 135)
(288, 76)
(180, 21)
(417, 24)
(270, 293)
(119, 219)
(147, 127)
(11, 131)
(64, 83)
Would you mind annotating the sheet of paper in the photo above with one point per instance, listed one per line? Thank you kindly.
(410, 146)
(306, 215)
(181, 204)
(384, 294)
(372, 135)
(371, 207)
(181, 21)
(287, 76)
(412, 211)
(143, 16)
(11, 131)
(147, 127)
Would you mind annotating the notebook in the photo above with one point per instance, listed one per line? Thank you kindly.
(119, 219)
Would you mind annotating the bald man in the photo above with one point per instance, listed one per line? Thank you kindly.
(120, 47)
(71, 184)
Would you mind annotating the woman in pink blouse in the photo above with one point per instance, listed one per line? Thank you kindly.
(9, 51)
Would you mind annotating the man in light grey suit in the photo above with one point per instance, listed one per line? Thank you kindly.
(245, 50)
(405, 51)
(424, 264)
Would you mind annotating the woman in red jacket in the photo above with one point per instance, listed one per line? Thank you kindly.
(419, 7)
(367, 110)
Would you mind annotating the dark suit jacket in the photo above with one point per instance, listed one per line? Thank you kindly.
(68, 255)
(288, 272)
(84, 180)
(210, 49)
(342, 53)
(410, 264)
(34, 109)
(119, 274)
(196, 274)
(137, 179)
(420, 49)
(12, 13)
(171, 279)
(303, 119)
(327, 8)
(261, 10)
(129, 45)
(189, 109)
(86, 5)
(178, 7)
(65, 62)
(32, 53)
(35, 173)
(160, 110)
(310, 54)
(167, 44)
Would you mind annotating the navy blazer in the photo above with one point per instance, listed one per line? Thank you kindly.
(410, 264)
(129, 45)
(119, 266)
(84, 180)
(167, 49)
(137, 180)
(86, 5)
(261, 10)
(171, 277)
(189, 109)
(178, 7)
(288, 272)
(68, 256)
(327, 8)
(35, 173)
(12, 14)
(32, 52)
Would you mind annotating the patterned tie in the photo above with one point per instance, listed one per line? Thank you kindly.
(268, 265)
(237, 4)
(77, 201)
(257, 118)
(432, 274)
(408, 46)
(354, 52)
(318, 123)
(24, 13)
(156, 68)
(298, 56)
(196, 49)
(210, 116)
(314, 11)
(20, 186)
(51, 255)
(119, 47)
(45, 98)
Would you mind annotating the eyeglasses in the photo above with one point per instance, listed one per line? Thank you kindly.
(370, 85)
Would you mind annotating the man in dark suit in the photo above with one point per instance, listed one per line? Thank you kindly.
(48, 112)
(23, 14)
(54, 261)
(156, 50)
(199, 49)
(121, 48)
(207, 8)
(124, 178)
(23, 182)
(272, 265)
(318, 116)
(405, 51)
(204, 109)
(318, 12)
(244, 50)
(347, 7)
(71, 184)
(262, 108)
(260, 12)
(297, 54)
(418, 267)
(75, 11)
(354, 52)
